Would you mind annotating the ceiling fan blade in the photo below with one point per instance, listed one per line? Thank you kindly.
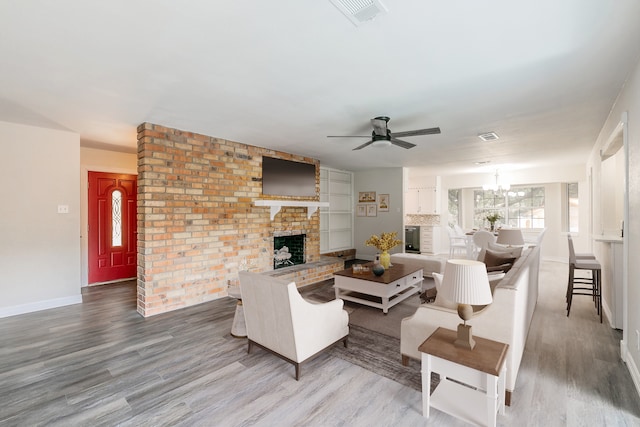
(430, 131)
(348, 136)
(403, 144)
(363, 145)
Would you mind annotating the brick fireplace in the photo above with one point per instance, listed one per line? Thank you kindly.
(197, 222)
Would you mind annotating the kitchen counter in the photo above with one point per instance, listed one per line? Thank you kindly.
(604, 238)
(610, 256)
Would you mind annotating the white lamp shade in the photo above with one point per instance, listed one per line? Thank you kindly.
(466, 282)
(510, 236)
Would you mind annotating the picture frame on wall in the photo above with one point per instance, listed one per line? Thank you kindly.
(383, 203)
(361, 210)
(372, 210)
(367, 197)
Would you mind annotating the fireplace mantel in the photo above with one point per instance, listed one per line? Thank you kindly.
(276, 205)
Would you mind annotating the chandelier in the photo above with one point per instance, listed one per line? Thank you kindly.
(497, 186)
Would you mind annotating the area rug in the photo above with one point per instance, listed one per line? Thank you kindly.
(370, 317)
(379, 354)
(374, 338)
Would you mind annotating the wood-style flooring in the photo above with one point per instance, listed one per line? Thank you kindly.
(99, 363)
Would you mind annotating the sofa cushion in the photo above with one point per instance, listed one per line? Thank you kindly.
(428, 263)
(514, 251)
(498, 261)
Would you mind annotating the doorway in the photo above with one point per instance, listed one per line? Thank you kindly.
(112, 227)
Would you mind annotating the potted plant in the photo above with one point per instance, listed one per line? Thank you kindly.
(492, 218)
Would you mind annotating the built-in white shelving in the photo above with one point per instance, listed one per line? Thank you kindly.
(336, 222)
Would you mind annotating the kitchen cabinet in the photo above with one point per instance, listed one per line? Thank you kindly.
(422, 196)
(422, 201)
(429, 239)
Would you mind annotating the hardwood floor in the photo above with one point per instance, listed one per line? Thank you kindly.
(100, 363)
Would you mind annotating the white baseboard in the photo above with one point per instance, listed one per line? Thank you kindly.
(631, 365)
(606, 311)
(39, 305)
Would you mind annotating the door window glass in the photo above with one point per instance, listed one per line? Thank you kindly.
(116, 218)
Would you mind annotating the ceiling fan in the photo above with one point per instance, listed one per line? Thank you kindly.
(382, 135)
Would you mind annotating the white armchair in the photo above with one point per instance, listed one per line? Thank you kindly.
(280, 321)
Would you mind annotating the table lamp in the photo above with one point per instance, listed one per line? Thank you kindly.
(510, 237)
(466, 283)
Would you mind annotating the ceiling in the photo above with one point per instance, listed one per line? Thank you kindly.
(542, 74)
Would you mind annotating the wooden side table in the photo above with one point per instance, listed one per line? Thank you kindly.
(472, 382)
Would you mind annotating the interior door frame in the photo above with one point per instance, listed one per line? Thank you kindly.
(84, 214)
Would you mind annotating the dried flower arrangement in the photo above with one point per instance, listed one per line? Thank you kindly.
(384, 242)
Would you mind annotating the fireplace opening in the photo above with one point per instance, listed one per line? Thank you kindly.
(288, 250)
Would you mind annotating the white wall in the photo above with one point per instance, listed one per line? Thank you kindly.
(382, 181)
(628, 102)
(40, 250)
(96, 160)
(611, 193)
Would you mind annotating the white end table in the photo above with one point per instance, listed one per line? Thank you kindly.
(477, 391)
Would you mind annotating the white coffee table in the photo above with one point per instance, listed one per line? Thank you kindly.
(396, 284)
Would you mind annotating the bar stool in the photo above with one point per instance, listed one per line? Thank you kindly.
(591, 286)
(577, 256)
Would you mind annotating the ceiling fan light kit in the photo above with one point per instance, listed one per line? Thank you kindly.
(381, 143)
(381, 136)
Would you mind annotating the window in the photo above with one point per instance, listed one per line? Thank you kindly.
(572, 207)
(486, 202)
(521, 207)
(526, 207)
(454, 207)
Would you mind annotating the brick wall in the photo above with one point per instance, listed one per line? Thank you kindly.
(196, 220)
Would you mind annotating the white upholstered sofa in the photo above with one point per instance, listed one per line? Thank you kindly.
(279, 320)
(507, 319)
(429, 264)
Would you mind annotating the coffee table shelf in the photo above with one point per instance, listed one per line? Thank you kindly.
(396, 284)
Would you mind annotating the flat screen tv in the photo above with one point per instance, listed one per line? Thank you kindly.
(288, 178)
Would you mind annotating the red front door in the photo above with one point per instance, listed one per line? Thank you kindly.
(112, 226)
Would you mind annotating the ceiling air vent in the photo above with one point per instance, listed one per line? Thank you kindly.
(489, 136)
(359, 11)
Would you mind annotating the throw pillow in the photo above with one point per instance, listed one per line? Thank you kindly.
(514, 251)
(498, 261)
(442, 302)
